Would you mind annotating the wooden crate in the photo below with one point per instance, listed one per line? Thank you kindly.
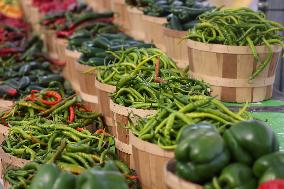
(176, 47)
(103, 91)
(153, 27)
(228, 68)
(174, 182)
(121, 116)
(71, 58)
(88, 91)
(136, 28)
(149, 162)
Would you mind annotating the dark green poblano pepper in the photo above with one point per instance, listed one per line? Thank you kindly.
(234, 176)
(200, 153)
(269, 167)
(249, 140)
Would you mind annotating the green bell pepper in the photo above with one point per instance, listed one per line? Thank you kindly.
(234, 176)
(249, 140)
(200, 153)
(269, 167)
(45, 177)
(65, 180)
(106, 178)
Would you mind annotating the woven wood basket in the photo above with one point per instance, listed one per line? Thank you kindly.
(153, 27)
(71, 58)
(121, 17)
(149, 162)
(121, 116)
(104, 91)
(174, 182)
(176, 48)
(49, 40)
(88, 91)
(5, 105)
(136, 28)
(228, 68)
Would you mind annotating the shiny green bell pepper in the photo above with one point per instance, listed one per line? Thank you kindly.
(234, 176)
(269, 167)
(249, 140)
(45, 177)
(200, 153)
(106, 178)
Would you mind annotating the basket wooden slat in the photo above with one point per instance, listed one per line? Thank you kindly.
(175, 47)
(104, 91)
(5, 105)
(174, 182)
(136, 28)
(153, 27)
(228, 68)
(121, 17)
(71, 58)
(121, 116)
(88, 90)
(149, 162)
(49, 40)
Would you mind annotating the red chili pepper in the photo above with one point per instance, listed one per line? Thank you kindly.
(71, 114)
(12, 92)
(64, 33)
(52, 94)
(100, 131)
(273, 184)
(132, 177)
(7, 51)
(79, 129)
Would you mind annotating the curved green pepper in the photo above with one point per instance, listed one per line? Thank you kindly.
(249, 140)
(200, 153)
(269, 167)
(65, 180)
(237, 176)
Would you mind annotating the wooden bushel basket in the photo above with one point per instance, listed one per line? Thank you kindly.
(228, 68)
(71, 58)
(136, 28)
(49, 40)
(176, 47)
(153, 27)
(174, 182)
(121, 116)
(60, 45)
(5, 105)
(121, 18)
(87, 87)
(100, 5)
(104, 91)
(26, 6)
(9, 161)
(149, 162)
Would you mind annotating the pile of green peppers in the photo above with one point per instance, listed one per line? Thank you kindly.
(88, 32)
(164, 127)
(142, 94)
(100, 178)
(96, 52)
(148, 63)
(245, 156)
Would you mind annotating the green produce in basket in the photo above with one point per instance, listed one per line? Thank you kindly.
(269, 167)
(238, 27)
(201, 153)
(249, 140)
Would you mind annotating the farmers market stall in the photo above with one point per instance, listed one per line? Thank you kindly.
(139, 94)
